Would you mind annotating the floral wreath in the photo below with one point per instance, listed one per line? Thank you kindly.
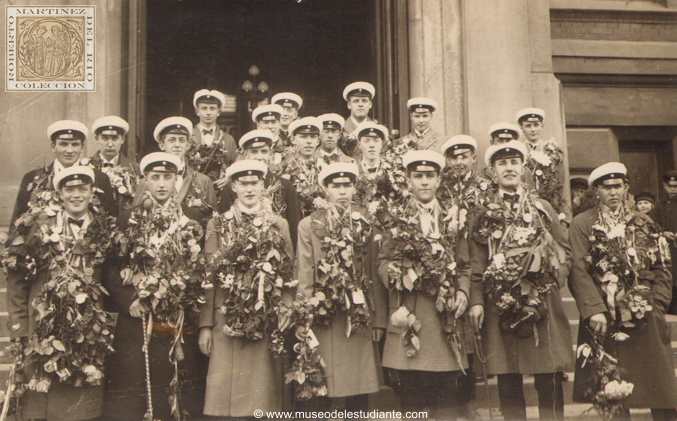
(252, 266)
(621, 244)
(524, 261)
(463, 196)
(375, 192)
(74, 333)
(303, 173)
(342, 279)
(544, 167)
(427, 266)
(123, 179)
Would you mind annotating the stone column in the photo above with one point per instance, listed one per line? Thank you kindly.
(26, 115)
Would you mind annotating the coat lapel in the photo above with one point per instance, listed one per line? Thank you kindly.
(187, 182)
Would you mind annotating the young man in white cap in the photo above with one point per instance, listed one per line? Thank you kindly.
(352, 316)
(123, 173)
(301, 167)
(502, 133)
(192, 188)
(359, 97)
(328, 152)
(243, 375)
(546, 160)
(422, 136)
(462, 191)
(207, 135)
(517, 237)
(65, 382)
(619, 255)
(291, 104)
(267, 117)
(154, 331)
(280, 193)
(68, 141)
(431, 291)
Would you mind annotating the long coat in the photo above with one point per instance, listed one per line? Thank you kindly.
(291, 212)
(646, 355)
(62, 401)
(101, 182)
(126, 373)
(243, 375)
(435, 354)
(351, 363)
(508, 353)
(191, 181)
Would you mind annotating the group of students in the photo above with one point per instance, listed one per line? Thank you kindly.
(263, 275)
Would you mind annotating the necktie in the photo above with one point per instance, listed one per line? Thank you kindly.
(207, 131)
(511, 198)
(77, 222)
(372, 170)
(107, 165)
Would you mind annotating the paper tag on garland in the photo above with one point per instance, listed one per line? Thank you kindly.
(277, 158)
(358, 297)
(312, 339)
(499, 260)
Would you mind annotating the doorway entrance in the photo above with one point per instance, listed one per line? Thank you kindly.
(313, 48)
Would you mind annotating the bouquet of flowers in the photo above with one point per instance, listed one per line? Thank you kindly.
(623, 245)
(544, 166)
(74, 332)
(210, 160)
(342, 282)
(252, 266)
(427, 265)
(463, 196)
(607, 390)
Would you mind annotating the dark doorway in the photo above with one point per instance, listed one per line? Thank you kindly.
(311, 47)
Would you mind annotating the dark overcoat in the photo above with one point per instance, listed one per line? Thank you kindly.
(646, 356)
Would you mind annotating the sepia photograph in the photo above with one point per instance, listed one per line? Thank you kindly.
(338, 209)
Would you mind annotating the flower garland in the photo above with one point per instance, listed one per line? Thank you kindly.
(165, 256)
(374, 192)
(272, 198)
(524, 261)
(74, 332)
(123, 179)
(210, 160)
(463, 196)
(252, 266)
(622, 246)
(342, 280)
(545, 169)
(307, 369)
(607, 390)
(303, 173)
(427, 266)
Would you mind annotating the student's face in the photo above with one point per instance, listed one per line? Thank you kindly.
(501, 140)
(329, 138)
(421, 121)
(175, 144)
(76, 198)
(109, 145)
(424, 185)
(248, 192)
(508, 172)
(359, 106)
(161, 185)
(577, 193)
(341, 194)
(289, 114)
(67, 152)
(611, 195)
(371, 147)
(644, 206)
(272, 125)
(532, 130)
(306, 143)
(671, 190)
(462, 163)
(262, 154)
(207, 112)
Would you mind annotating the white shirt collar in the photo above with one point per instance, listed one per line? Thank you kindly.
(419, 134)
(113, 161)
(501, 192)
(58, 166)
(325, 153)
(251, 211)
